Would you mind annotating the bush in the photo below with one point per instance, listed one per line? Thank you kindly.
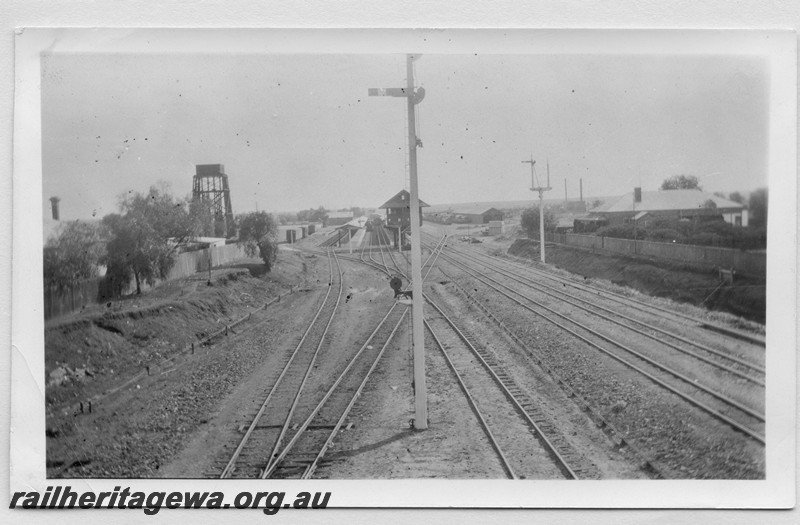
(258, 233)
(530, 221)
(621, 231)
(664, 235)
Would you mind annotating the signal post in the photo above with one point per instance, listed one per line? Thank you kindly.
(413, 98)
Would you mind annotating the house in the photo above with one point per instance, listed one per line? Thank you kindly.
(677, 204)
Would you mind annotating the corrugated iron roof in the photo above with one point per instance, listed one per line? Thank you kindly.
(666, 200)
(401, 200)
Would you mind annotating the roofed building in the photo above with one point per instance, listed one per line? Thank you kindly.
(476, 214)
(398, 210)
(398, 213)
(677, 204)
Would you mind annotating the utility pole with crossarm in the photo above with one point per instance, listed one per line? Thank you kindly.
(413, 98)
(541, 190)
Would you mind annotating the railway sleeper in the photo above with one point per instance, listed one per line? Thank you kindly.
(614, 435)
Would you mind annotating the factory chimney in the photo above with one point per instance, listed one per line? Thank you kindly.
(581, 189)
(54, 207)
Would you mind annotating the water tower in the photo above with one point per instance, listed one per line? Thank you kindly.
(211, 186)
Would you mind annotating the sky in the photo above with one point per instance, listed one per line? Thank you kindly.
(296, 131)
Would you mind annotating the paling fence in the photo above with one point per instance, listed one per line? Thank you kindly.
(58, 302)
(750, 263)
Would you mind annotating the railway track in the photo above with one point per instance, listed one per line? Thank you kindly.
(722, 360)
(268, 427)
(725, 409)
(277, 444)
(645, 464)
(640, 306)
(518, 444)
(513, 441)
(311, 439)
(528, 432)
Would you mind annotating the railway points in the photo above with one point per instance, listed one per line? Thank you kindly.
(318, 402)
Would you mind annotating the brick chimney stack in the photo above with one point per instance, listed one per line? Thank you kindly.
(54, 206)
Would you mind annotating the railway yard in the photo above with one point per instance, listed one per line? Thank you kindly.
(306, 372)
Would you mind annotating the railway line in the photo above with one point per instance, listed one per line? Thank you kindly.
(270, 425)
(527, 444)
(722, 407)
(520, 439)
(746, 369)
(289, 439)
(304, 451)
(290, 434)
(656, 313)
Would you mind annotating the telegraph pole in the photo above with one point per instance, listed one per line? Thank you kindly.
(413, 98)
(541, 190)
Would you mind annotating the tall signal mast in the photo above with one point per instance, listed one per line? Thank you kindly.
(541, 190)
(414, 97)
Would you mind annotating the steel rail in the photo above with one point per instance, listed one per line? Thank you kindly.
(669, 387)
(558, 294)
(275, 459)
(310, 471)
(304, 426)
(623, 299)
(495, 445)
(539, 432)
(616, 435)
(391, 256)
(308, 370)
(661, 312)
(229, 468)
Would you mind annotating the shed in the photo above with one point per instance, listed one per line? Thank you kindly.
(496, 227)
(476, 214)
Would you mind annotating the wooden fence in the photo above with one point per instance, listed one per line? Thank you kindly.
(750, 263)
(60, 302)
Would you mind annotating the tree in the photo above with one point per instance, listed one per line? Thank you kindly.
(73, 255)
(313, 215)
(710, 204)
(736, 197)
(758, 204)
(530, 221)
(287, 218)
(258, 232)
(202, 219)
(318, 215)
(681, 182)
(144, 239)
